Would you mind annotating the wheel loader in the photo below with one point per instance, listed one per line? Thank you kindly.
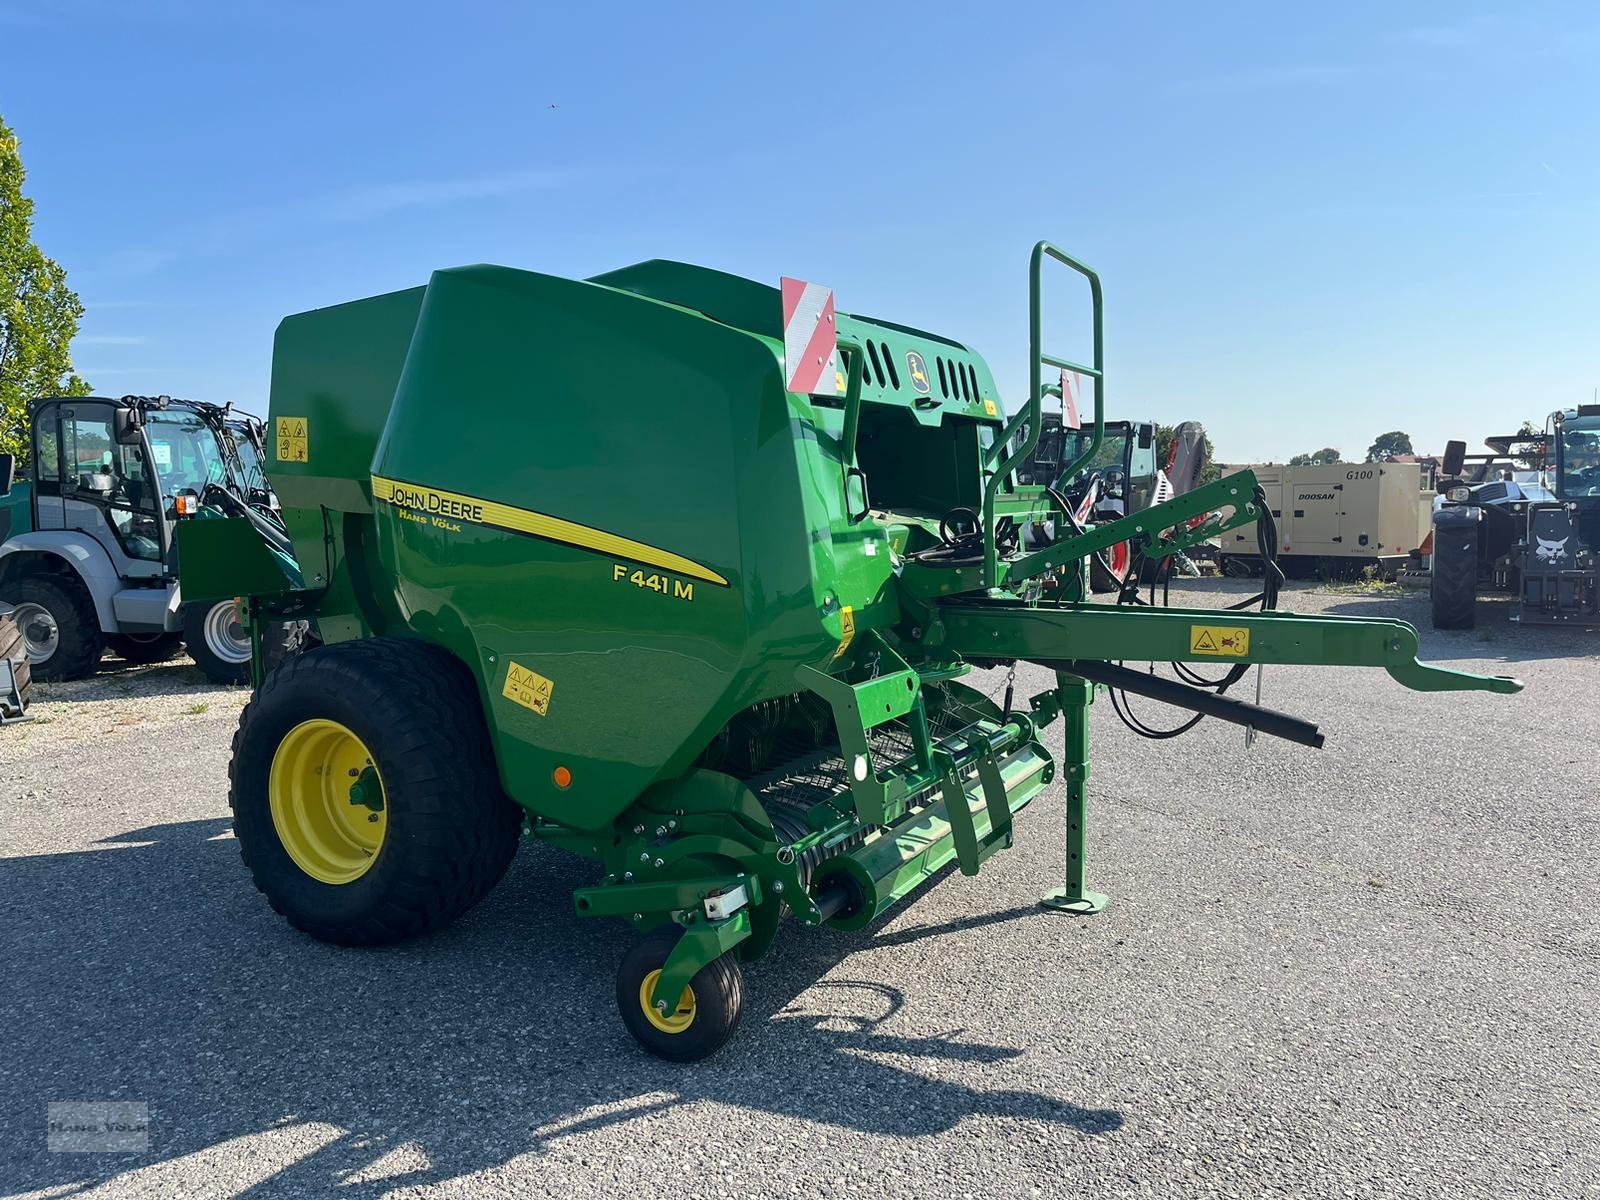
(1524, 519)
(686, 574)
(88, 560)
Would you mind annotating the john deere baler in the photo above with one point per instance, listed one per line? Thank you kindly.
(683, 572)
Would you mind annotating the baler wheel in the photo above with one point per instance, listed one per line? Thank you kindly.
(374, 748)
(705, 1015)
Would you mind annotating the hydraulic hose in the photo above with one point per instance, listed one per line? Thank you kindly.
(1202, 701)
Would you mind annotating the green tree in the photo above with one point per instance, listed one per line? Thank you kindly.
(1387, 445)
(38, 312)
(1164, 435)
(1316, 458)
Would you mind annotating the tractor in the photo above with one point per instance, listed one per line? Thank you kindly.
(688, 574)
(90, 558)
(1531, 530)
(1118, 479)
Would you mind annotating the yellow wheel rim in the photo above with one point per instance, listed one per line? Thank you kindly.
(669, 1022)
(328, 801)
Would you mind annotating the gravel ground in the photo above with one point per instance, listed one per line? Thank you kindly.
(1371, 970)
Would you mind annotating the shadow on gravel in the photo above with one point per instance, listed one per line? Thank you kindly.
(114, 679)
(148, 969)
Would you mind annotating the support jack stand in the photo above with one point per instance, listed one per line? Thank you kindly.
(1076, 696)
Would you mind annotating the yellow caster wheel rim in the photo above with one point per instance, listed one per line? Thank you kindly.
(670, 1021)
(328, 802)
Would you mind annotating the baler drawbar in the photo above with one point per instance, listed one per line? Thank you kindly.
(683, 573)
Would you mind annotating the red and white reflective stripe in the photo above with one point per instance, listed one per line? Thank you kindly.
(810, 339)
(1069, 402)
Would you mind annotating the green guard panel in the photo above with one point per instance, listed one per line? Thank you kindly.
(622, 584)
(334, 370)
(223, 557)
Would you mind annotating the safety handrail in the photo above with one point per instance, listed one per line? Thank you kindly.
(852, 400)
(1031, 417)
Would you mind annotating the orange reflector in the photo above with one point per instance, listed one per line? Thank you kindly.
(563, 777)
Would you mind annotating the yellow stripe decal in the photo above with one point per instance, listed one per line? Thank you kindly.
(453, 506)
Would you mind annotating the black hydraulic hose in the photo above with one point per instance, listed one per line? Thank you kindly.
(1267, 538)
(1198, 700)
(1077, 528)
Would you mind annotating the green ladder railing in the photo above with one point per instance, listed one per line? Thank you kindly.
(997, 461)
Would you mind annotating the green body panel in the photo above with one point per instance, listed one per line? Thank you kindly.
(16, 510)
(644, 663)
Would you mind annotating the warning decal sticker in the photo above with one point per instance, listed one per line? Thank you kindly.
(528, 688)
(847, 629)
(1223, 641)
(294, 439)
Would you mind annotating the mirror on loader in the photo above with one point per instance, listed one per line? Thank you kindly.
(8, 474)
(1455, 457)
(127, 424)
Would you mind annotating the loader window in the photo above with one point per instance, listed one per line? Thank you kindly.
(47, 459)
(1580, 458)
(186, 452)
(103, 475)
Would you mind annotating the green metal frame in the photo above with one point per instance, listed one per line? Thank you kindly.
(998, 461)
(1116, 633)
(1076, 695)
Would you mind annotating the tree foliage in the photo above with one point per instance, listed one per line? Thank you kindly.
(1531, 458)
(38, 312)
(1317, 458)
(1387, 445)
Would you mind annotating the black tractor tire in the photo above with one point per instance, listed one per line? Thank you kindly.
(142, 648)
(79, 642)
(1453, 579)
(450, 830)
(718, 1000)
(11, 647)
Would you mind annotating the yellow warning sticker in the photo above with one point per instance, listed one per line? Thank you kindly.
(528, 688)
(294, 439)
(991, 408)
(847, 629)
(1225, 641)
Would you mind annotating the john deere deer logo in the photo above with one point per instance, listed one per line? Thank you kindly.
(918, 368)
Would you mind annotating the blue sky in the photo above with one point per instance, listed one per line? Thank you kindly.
(1314, 223)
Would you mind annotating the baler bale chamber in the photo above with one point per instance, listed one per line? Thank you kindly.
(684, 573)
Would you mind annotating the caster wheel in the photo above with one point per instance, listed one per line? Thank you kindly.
(703, 1018)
